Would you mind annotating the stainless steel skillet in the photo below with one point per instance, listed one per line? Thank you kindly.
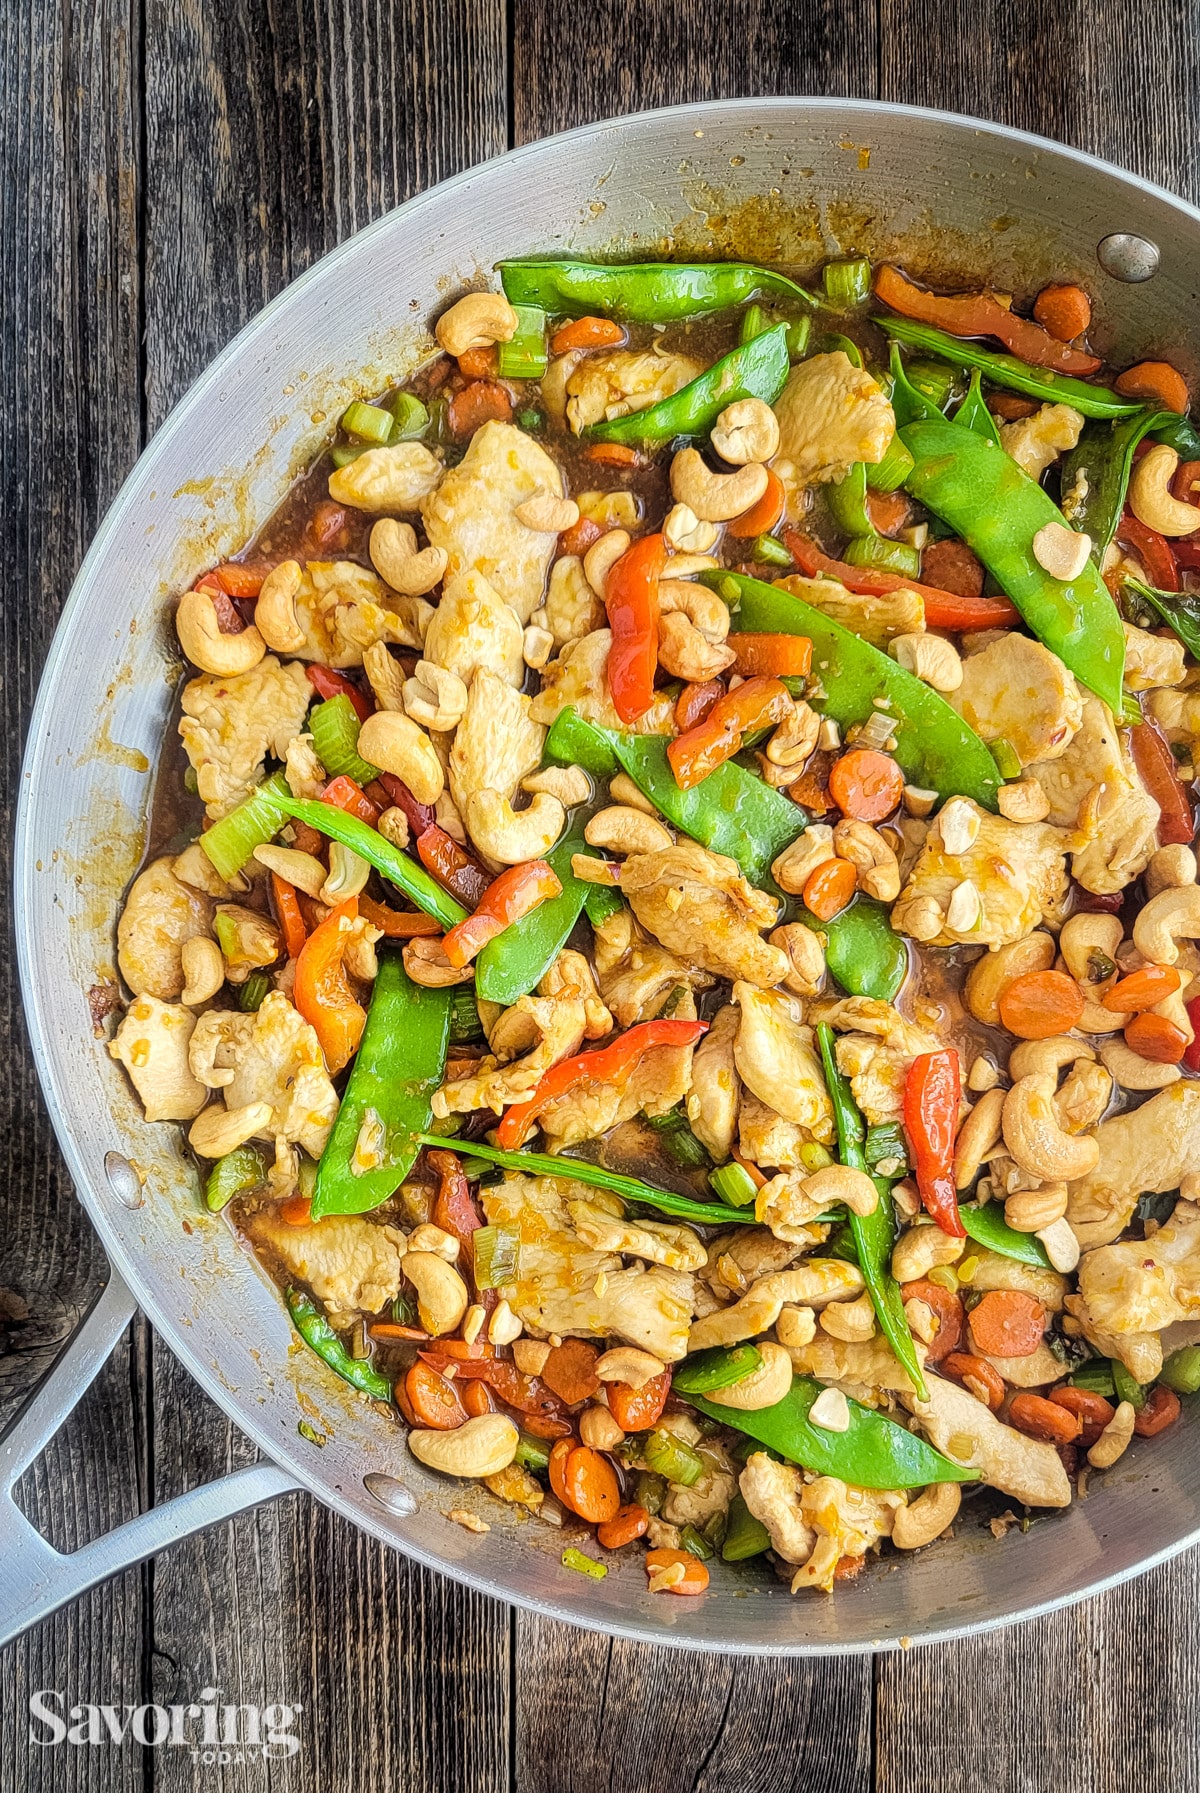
(788, 180)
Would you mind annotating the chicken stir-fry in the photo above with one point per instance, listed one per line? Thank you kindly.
(686, 967)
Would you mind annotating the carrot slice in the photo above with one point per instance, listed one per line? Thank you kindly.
(1156, 1038)
(1066, 311)
(695, 1574)
(1041, 1004)
(948, 1310)
(587, 333)
(1155, 382)
(483, 401)
(762, 517)
(630, 1523)
(637, 1409)
(1039, 1418)
(866, 784)
(1142, 989)
(570, 1371)
(829, 888)
(433, 1399)
(591, 1485)
(1161, 1410)
(1008, 1323)
(978, 1377)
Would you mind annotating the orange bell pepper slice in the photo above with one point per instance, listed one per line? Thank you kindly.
(508, 898)
(755, 704)
(631, 599)
(291, 920)
(943, 609)
(322, 993)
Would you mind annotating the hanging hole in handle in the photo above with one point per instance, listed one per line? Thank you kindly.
(390, 1493)
(124, 1180)
(1128, 257)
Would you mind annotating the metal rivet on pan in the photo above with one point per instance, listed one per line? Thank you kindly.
(1128, 257)
(123, 1180)
(390, 1493)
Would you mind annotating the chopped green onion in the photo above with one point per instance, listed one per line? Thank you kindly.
(670, 1457)
(847, 283)
(734, 1184)
(679, 1142)
(529, 419)
(497, 1255)
(229, 843)
(755, 322)
(814, 1156)
(771, 551)
(307, 1430)
(583, 1565)
(745, 1536)
(252, 992)
(718, 1368)
(191, 780)
(532, 1453)
(1181, 1371)
(893, 470)
(242, 1169)
(334, 727)
(880, 551)
(342, 453)
(932, 379)
(798, 333)
(1127, 1387)
(599, 902)
(409, 418)
(371, 423)
(524, 356)
(464, 1017)
(695, 1542)
(447, 1125)
(404, 1312)
(1005, 755)
(649, 1490)
(226, 930)
(1096, 1376)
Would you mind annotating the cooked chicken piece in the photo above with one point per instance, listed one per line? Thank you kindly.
(160, 914)
(831, 414)
(1142, 1152)
(474, 627)
(963, 1429)
(1036, 442)
(1017, 870)
(650, 1308)
(557, 1024)
(1140, 1352)
(553, 1259)
(776, 1059)
(1016, 690)
(572, 608)
(787, 1207)
(270, 1056)
(602, 387)
(1178, 715)
(658, 1082)
(1152, 659)
(152, 1044)
(742, 1256)
(772, 1492)
(229, 725)
(848, 1521)
(1037, 1370)
(387, 479)
(1142, 1285)
(1094, 789)
(813, 1283)
(713, 1103)
(876, 1056)
(658, 1241)
(304, 772)
(350, 1263)
(344, 609)
(472, 514)
(877, 619)
(571, 975)
(699, 905)
(637, 974)
(708, 1496)
(194, 868)
(496, 743)
(866, 1364)
(579, 677)
(765, 1138)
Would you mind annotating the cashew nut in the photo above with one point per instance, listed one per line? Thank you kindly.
(602, 556)
(1171, 916)
(202, 641)
(504, 1328)
(796, 1326)
(1035, 1139)
(1088, 944)
(348, 874)
(475, 322)
(918, 801)
(1029, 1210)
(1170, 868)
(921, 918)
(483, 1446)
(1150, 497)
(795, 739)
(929, 658)
(218, 1130)
(434, 697)
(590, 870)
(622, 789)
(599, 1430)
(978, 1137)
(1130, 1071)
(927, 1517)
(685, 654)
(747, 430)
(795, 865)
(1060, 1244)
(426, 963)
(395, 744)
(428, 1237)
(386, 676)
(866, 849)
(275, 612)
(537, 645)
(715, 497)
(686, 566)
(547, 512)
(1046, 1058)
(806, 958)
(983, 1075)
(1084, 1096)
(764, 1386)
(920, 1249)
(570, 784)
(395, 558)
(703, 608)
(835, 1183)
(685, 532)
(1061, 552)
(513, 836)
(203, 969)
(393, 825)
(441, 1292)
(1023, 801)
(626, 1363)
(623, 830)
(1117, 1433)
(851, 1321)
(990, 976)
(304, 870)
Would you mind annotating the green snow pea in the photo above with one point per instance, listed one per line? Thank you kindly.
(1098, 466)
(719, 1368)
(862, 949)
(846, 500)
(908, 402)
(755, 369)
(973, 414)
(934, 748)
(745, 1536)
(657, 292)
(987, 1226)
(514, 961)
(997, 510)
(1180, 434)
(400, 1062)
(370, 845)
(873, 1453)
(1007, 370)
(873, 1234)
(320, 1337)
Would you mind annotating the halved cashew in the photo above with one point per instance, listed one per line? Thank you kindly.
(929, 658)
(835, 1183)
(1150, 497)
(627, 1363)
(1046, 1058)
(1088, 944)
(927, 1517)
(203, 969)
(1116, 1435)
(537, 645)
(483, 1446)
(715, 497)
(1130, 1071)
(433, 1238)
(866, 849)
(547, 512)
(602, 556)
(395, 558)
(1083, 1097)
(795, 865)
(923, 918)
(1061, 552)
(684, 531)
(978, 1136)
(570, 784)
(441, 1292)
(426, 963)
(702, 607)
(1171, 916)
(1031, 1210)
(395, 744)
(434, 697)
(685, 654)
(386, 675)
(624, 830)
(599, 1430)
(393, 825)
(920, 1249)
(218, 1130)
(1170, 868)
(795, 739)
(304, 870)
(514, 835)
(686, 566)
(851, 1321)
(1023, 801)
(764, 1386)
(348, 874)
(1035, 1139)
(475, 322)
(275, 612)
(202, 641)
(747, 430)
(990, 976)
(622, 790)
(590, 870)
(806, 957)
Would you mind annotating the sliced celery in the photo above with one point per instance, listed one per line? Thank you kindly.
(229, 843)
(334, 727)
(524, 356)
(371, 423)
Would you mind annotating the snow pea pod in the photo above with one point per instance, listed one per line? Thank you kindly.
(1007, 370)
(320, 1337)
(934, 747)
(755, 369)
(987, 1226)
(370, 845)
(973, 414)
(997, 510)
(862, 949)
(873, 1452)
(400, 1062)
(512, 963)
(1097, 469)
(908, 403)
(657, 292)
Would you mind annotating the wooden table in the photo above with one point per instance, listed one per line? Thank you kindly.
(169, 165)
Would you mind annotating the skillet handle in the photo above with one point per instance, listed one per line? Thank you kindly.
(35, 1579)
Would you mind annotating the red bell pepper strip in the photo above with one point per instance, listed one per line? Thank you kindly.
(754, 704)
(287, 909)
(981, 314)
(454, 1210)
(239, 581)
(1152, 549)
(419, 816)
(613, 1064)
(511, 896)
(943, 609)
(452, 866)
(777, 656)
(322, 994)
(1156, 768)
(327, 683)
(397, 924)
(1186, 550)
(343, 793)
(932, 1093)
(631, 599)
(1191, 1057)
